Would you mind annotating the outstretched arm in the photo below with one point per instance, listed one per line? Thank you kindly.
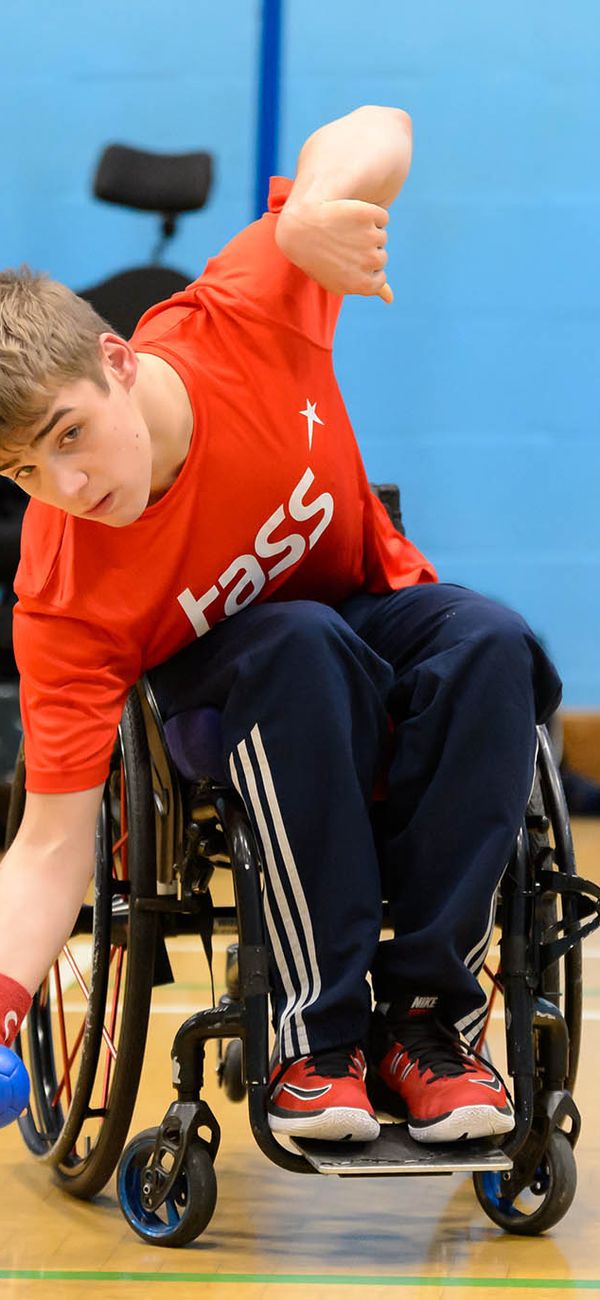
(348, 174)
(43, 881)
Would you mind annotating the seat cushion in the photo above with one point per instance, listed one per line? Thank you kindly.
(195, 741)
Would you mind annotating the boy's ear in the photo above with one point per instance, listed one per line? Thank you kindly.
(119, 357)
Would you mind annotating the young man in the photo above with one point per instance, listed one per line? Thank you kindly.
(208, 469)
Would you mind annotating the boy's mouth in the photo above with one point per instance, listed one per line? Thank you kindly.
(102, 507)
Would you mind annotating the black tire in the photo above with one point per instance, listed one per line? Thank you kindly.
(84, 1080)
(538, 1206)
(562, 982)
(567, 975)
(232, 1071)
(191, 1204)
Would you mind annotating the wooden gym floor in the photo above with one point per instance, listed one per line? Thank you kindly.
(276, 1236)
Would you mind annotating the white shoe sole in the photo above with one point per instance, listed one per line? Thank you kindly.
(335, 1124)
(466, 1122)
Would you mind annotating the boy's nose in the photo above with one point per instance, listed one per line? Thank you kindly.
(70, 482)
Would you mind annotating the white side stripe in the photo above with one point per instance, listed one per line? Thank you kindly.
(294, 881)
(296, 1000)
(482, 944)
(469, 1025)
(477, 1014)
(286, 1044)
(472, 1033)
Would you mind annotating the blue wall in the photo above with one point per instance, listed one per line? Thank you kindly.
(479, 389)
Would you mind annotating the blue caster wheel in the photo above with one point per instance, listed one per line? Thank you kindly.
(14, 1086)
(190, 1204)
(542, 1202)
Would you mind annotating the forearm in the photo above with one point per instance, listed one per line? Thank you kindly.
(333, 223)
(365, 155)
(41, 892)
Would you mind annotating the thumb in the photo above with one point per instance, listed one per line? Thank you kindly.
(386, 293)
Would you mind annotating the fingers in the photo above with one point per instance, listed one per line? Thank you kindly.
(384, 292)
(381, 216)
(379, 259)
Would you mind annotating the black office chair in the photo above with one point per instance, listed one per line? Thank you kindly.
(167, 184)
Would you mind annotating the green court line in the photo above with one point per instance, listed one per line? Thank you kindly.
(304, 1279)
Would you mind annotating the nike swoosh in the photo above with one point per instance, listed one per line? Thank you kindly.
(305, 1094)
(494, 1084)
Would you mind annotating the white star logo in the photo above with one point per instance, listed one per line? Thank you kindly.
(312, 419)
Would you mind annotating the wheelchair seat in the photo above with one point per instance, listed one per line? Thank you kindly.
(194, 741)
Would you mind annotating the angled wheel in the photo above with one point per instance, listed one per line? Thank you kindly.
(549, 839)
(562, 982)
(85, 1035)
(542, 1201)
(190, 1205)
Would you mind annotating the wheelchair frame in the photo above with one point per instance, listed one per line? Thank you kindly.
(158, 843)
(166, 1181)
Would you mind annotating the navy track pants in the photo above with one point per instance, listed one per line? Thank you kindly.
(306, 694)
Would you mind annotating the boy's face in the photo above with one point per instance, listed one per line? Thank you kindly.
(91, 453)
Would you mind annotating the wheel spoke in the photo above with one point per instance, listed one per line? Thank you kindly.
(112, 1056)
(108, 1038)
(59, 1091)
(172, 1213)
(62, 1029)
(118, 844)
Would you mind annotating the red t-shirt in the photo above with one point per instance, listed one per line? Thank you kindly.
(272, 503)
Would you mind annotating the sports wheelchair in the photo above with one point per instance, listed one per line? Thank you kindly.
(160, 837)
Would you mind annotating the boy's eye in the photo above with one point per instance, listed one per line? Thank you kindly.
(70, 435)
(24, 471)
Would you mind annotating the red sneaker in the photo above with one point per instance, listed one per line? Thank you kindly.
(323, 1096)
(449, 1092)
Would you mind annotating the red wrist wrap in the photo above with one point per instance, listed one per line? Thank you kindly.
(15, 1002)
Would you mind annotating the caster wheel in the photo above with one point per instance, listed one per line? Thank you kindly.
(191, 1202)
(232, 1075)
(542, 1203)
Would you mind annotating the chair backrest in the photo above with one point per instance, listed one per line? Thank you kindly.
(123, 298)
(389, 495)
(168, 183)
(165, 183)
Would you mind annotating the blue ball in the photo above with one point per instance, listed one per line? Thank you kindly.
(14, 1086)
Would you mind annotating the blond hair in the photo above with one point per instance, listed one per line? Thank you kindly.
(48, 337)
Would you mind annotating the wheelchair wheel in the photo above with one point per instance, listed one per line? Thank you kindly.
(562, 982)
(86, 1031)
(231, 1071)
(190, 1205)
(542, 1202)
(540, 1188)
(550, 842)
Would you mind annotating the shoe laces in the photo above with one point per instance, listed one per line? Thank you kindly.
(436, 1047)
(331, 1063)
(334, 1063)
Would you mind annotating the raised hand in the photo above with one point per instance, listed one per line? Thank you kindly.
(340, 243)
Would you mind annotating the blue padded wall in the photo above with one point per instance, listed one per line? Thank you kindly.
(76, 76)
(479, 389)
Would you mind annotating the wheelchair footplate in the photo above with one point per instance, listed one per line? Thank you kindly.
(395, 1152)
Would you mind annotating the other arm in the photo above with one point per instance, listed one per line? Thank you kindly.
(44, 878)
(348, 174)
